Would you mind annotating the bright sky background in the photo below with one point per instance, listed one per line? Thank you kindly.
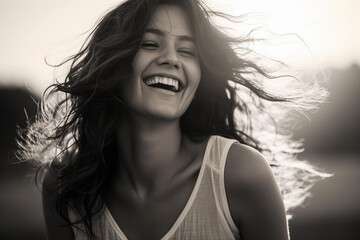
(31, 30)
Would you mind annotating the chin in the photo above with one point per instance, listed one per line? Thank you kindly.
(166, 115)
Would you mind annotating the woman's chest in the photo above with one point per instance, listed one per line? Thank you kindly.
(152, 218)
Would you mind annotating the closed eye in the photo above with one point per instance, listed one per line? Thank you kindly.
(187, 52)
(149, 45)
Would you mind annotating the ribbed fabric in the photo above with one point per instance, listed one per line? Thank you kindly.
(206, 214)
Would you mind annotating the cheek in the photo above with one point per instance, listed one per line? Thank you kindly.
(130, 86)
(141, 62)
(194, 74)
(137, 63)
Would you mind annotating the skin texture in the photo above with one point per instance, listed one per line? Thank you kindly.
(157, 165)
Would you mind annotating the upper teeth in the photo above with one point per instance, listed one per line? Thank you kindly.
(163, 80)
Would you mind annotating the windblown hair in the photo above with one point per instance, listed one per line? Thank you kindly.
(236, 98)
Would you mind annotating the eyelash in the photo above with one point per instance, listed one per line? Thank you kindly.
(154, 45)
(148, 45)
(187, 52)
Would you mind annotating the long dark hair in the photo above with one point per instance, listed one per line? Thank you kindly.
(77, 118)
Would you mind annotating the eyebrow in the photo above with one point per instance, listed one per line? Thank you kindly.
(161, 33)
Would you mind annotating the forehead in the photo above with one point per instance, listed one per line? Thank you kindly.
(171, 19)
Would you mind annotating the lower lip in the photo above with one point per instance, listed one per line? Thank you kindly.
(169, 92)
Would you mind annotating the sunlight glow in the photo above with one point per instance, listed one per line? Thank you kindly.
(325, 26)
(33, 30)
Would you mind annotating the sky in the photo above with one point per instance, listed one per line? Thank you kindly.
(31, 31)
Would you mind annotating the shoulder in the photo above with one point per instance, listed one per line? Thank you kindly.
(246, 163)
(247, 174)
(253, 195)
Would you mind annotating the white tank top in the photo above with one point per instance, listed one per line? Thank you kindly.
(206, 214)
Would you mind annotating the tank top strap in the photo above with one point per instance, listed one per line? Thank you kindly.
(217, 161)
(218, 152)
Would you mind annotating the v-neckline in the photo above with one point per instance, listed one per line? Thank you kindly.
(185, 210)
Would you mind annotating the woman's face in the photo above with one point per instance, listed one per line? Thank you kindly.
(166, 69)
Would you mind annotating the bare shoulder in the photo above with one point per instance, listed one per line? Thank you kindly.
(253, 195)
(56, 226)
(247, 174)
(245, 164)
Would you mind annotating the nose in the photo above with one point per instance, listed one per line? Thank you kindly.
(169, 57)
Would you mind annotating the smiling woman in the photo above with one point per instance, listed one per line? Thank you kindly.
(158, 129)
(167, 57)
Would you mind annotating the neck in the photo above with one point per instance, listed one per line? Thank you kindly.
(149, 151)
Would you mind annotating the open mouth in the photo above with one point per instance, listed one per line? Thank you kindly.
(166, 83)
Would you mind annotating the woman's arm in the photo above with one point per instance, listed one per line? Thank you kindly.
(56, 226)
(253, 195)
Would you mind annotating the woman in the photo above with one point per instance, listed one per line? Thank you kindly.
(149, 144)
